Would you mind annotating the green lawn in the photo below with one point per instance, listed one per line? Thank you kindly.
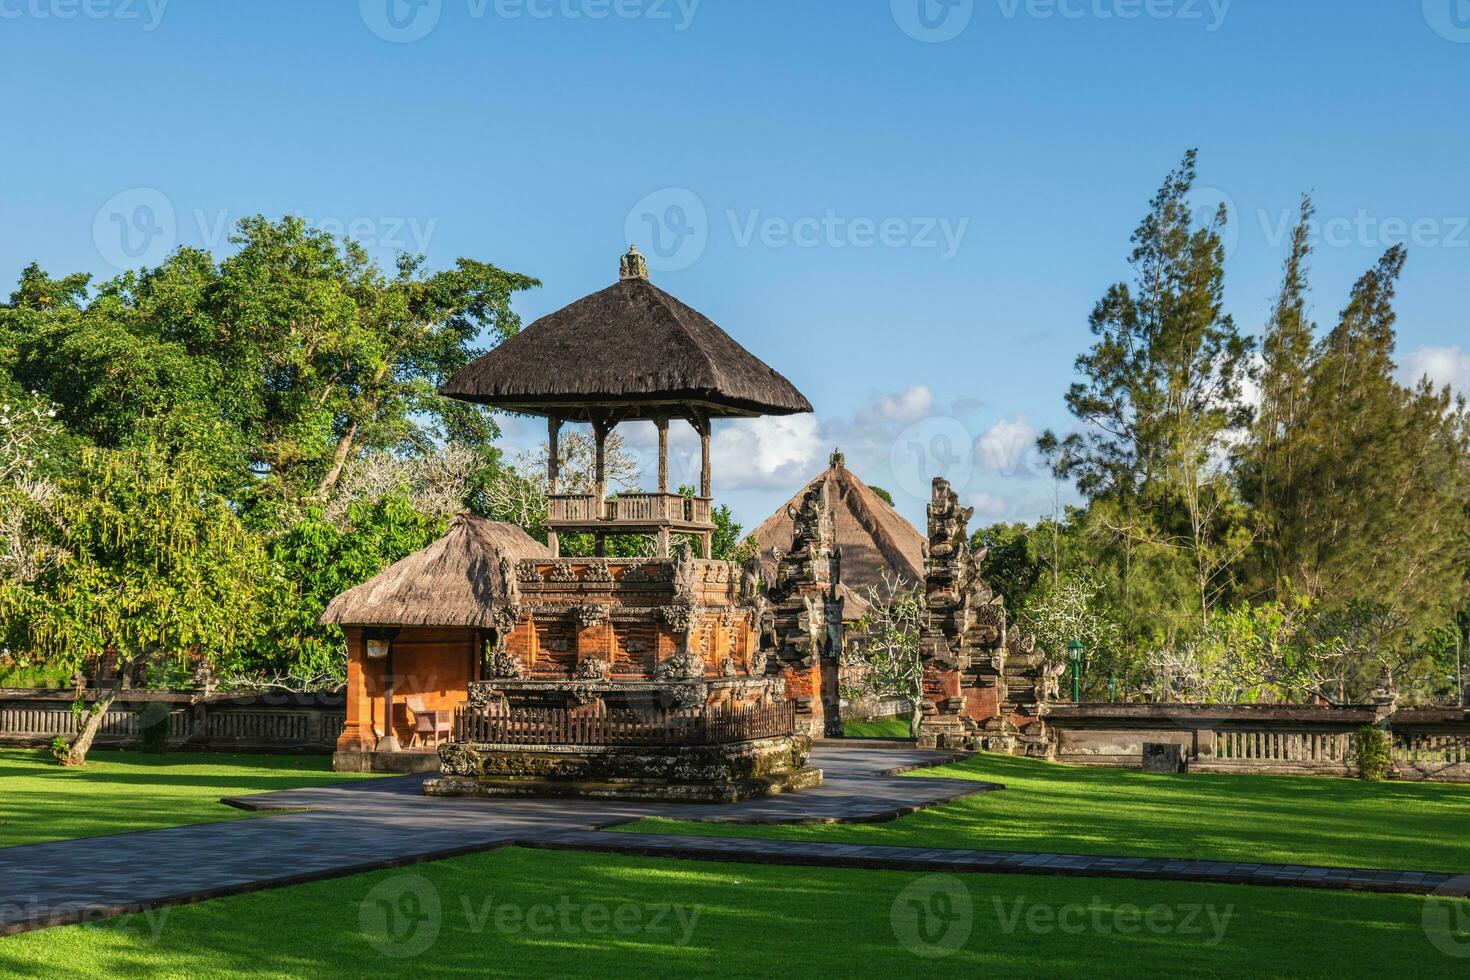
(122, 791)
(541, 913)
(895, 727)
(1052, 807)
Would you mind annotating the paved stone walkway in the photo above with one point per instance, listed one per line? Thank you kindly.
(388, 822)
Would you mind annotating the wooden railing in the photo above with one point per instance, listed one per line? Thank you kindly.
(630, 508)
(560, 726)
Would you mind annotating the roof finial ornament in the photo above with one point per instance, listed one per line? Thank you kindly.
(837, 461)
(634, 265)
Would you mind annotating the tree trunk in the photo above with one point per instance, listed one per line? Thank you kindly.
(83, 742)
(339, 461)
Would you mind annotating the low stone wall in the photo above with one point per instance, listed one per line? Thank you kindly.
(220, 722)
(1429, 743)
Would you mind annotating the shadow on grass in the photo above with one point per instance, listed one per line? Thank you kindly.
(538, 913)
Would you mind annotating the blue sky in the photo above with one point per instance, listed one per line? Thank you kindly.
(906, 206)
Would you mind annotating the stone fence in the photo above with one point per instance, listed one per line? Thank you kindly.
(219, 722)
(1428, 743)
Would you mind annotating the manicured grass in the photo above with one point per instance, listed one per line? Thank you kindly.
(895, 727)
(540, 913)
(1075, 809)
(121, 791)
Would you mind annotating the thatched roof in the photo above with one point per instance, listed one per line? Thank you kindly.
(872, 535)
(459, 580)
(631, 347)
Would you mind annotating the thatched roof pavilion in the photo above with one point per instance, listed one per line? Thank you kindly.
(461, 580)
(872, 536)
(628, 352)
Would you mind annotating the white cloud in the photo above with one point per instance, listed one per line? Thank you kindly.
(1005, 448)
(1444, 366)
(906, 406)
(986, 505)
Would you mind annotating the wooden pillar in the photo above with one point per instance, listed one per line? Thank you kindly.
(389, 741)
(600, 429)
(663, 454)
(704, 474)
(553, 475)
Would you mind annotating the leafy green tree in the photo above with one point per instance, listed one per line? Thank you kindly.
(153, 568)
(311, 563)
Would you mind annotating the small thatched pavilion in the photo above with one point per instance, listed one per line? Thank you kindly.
(629, 352)
(422, 624)
(874, 539)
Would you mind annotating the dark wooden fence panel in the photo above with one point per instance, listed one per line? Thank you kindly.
(307, 723)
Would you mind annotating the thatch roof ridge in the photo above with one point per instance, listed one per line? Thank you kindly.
(862, 499)
(631, 342)
(458, 580)
(891, 541)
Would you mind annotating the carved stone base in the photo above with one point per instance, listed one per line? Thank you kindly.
(695, 774)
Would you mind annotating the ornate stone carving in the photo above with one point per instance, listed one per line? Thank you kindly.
(503, 664)
(637, 574)
(591, 614)
(679, 667)
(562, 571)
(728, 667)
(758, 661)
(558, 644)
(679, 617)
(599, 572)
(633, 265)
(687, 696)
(593, 669)
(635, 645)
(484, 695)
(686, 577)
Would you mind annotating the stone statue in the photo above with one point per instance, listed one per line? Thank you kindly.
(634, 265)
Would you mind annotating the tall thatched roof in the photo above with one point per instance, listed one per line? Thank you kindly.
(631, 347)
(872, 535)
(459, 580)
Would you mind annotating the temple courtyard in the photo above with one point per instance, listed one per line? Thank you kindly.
(903, 860)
